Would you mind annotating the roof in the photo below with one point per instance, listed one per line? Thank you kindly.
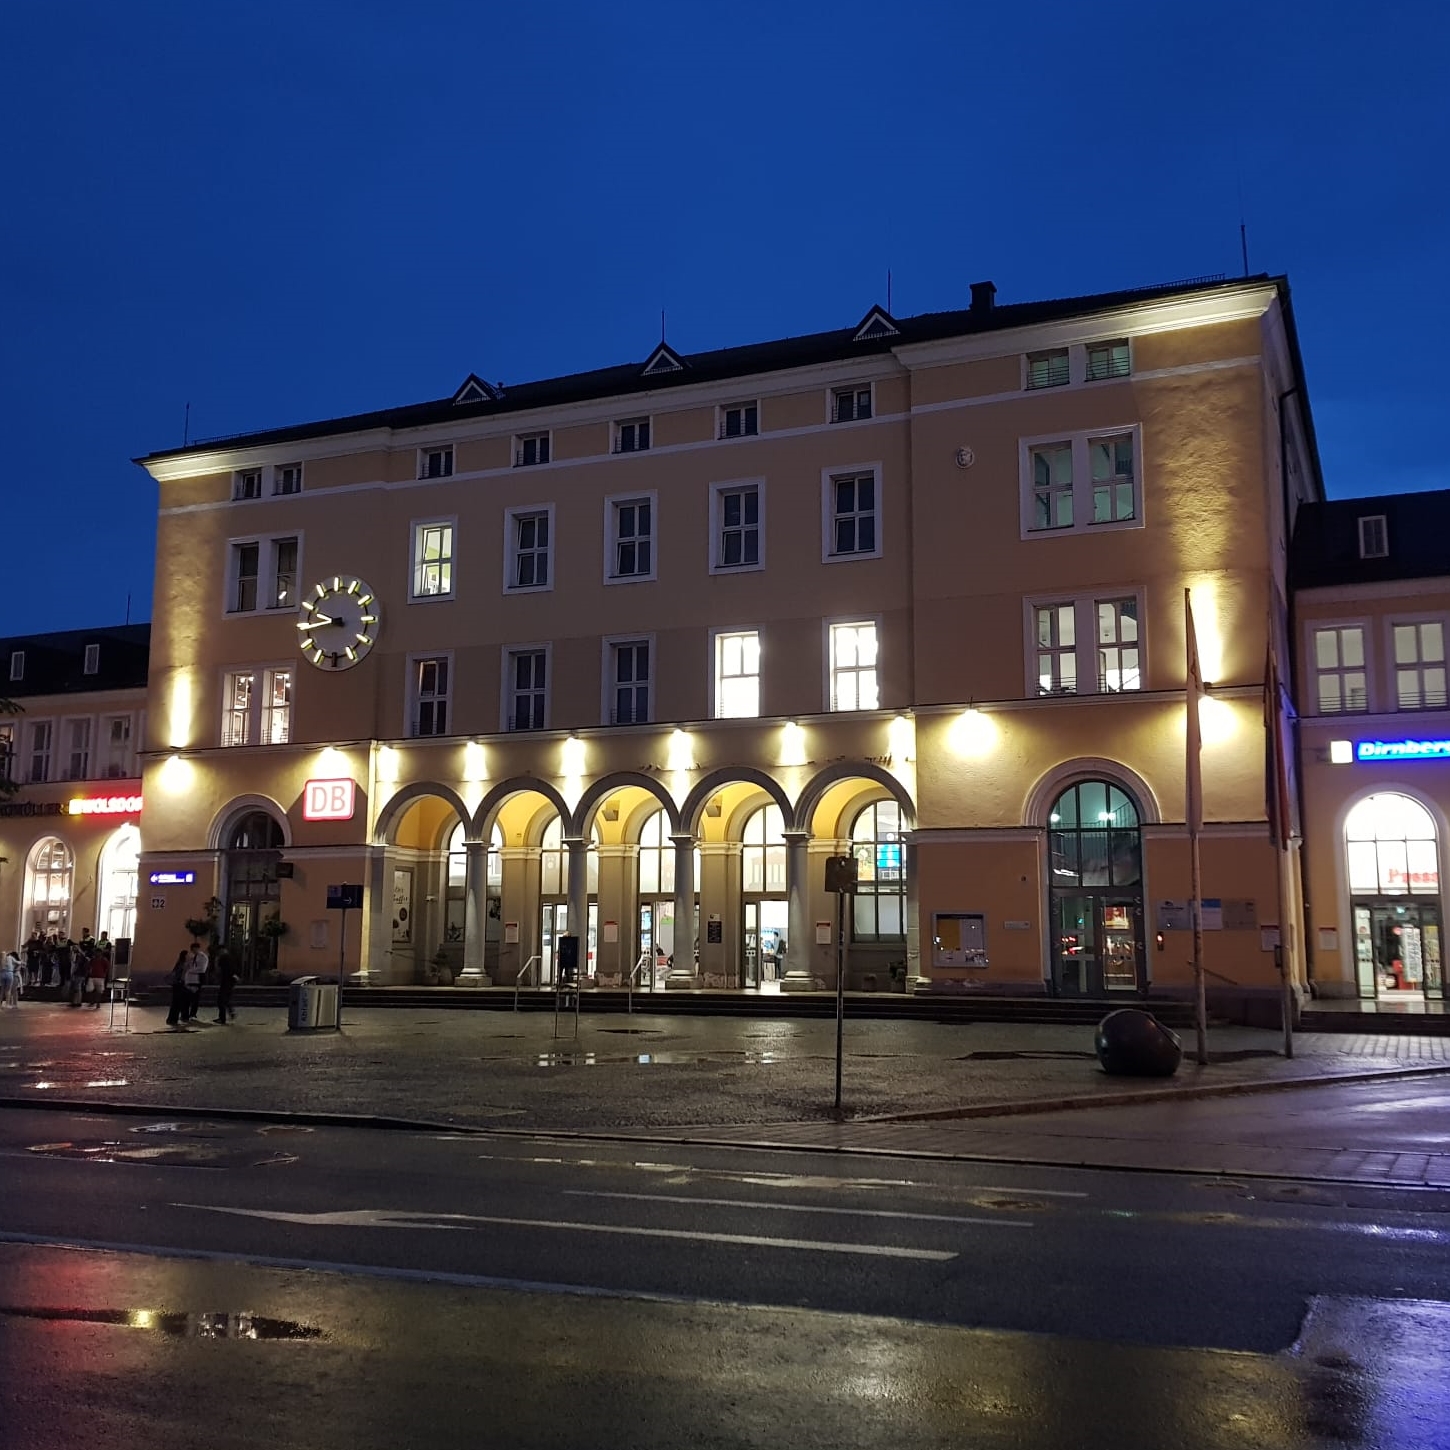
(1326, 548)
(55, 663)
(859, 340)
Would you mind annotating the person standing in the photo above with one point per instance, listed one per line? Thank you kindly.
(176, 1017)
(193, 977)
(226, 980)
(98, 969)
(9, 978)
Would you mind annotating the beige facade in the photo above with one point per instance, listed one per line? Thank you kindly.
(932, 571)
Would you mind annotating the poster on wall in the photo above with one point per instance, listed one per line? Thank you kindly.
(402, 905)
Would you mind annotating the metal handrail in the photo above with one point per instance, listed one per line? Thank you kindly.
(643, 961)
(535, 958)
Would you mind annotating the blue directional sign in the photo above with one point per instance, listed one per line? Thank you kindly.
(344, 898)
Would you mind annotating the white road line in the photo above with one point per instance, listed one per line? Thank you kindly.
(796, 1208)
(403, 1218)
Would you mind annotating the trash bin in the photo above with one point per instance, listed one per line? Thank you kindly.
(311, 1005)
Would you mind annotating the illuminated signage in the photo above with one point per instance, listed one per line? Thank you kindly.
(328, 800)
(1402, 750)
(105, 805)
(172, 878)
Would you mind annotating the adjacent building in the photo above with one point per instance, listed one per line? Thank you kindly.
(69, 753)
(628, 654)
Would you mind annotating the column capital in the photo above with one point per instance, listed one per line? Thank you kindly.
(796, 838)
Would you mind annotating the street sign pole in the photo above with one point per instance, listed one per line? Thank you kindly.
(342, 898)
(341, 961)
(840, 879)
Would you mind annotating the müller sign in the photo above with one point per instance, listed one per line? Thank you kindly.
(1402, 750)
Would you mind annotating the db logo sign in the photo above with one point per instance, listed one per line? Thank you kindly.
(328, 800)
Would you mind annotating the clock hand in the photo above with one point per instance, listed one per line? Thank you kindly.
(317, 622)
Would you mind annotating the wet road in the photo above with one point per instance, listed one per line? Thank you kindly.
(614, 1294)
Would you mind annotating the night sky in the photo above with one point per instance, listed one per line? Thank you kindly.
(281, 212)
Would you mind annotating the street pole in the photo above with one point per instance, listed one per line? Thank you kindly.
(1286, 995)
(341, 962)
(840, 988)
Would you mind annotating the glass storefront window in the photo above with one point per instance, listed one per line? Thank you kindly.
(52, 867)
(763, 854)
(1392, 849)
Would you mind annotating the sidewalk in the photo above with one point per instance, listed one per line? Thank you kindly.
(991, 1091)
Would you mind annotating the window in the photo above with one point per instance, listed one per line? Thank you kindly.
(528, 544)
(287, 478)
(433, 560)
(92, 662)
(237, 693)
(40, 747)
(1047, 369)
(526, 689)
(740, 420)
(879, 910)
(531, 448)
(1118, 662)
(7, 752)
(262, 573)
(1420, 665)
(629, 681)
(246, 568)
(431, 688)
(284, 574)
(276, 707)
(1056, 649)
(247, 483)
(737, 675)
(51, 870)
(78, 749)
(850, 405)
(852, 521)
(1108, 360)
(1081, 645)
(737, 526)
(853, 666)
(763, 851)
(1374, 537)
(631, 538)
(632, 436)
(1085, 481)
(116, 738)
(436, 462)
(1339, 669)
(17, 664)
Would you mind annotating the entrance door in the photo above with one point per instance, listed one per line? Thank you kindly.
(656, 939)
(1097, 945)
(554, 923)
(765, 923)
(253, 953)
(1398, 944)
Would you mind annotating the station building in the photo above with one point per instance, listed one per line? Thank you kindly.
(629, 653)
(69, 753)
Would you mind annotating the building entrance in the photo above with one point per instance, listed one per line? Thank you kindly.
(1397, 944)
(765, 923)
(554, 923)
(1098, 944)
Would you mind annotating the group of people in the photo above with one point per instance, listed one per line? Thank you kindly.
(83, 967)
(187, 977)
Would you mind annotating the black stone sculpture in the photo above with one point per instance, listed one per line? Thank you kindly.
(1133, 1043)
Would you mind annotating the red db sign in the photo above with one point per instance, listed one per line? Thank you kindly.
(328, 800)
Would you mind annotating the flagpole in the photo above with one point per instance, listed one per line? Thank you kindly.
(1194, 813)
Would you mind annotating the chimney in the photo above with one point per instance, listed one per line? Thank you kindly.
(983, 296)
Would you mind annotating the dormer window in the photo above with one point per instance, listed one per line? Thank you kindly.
(740, 420)
(1107, 360)
(1047, 369)
(530, 449)
(1374, 537)
(287, 478)
(92, 665)
(631, 436)
(435, 462)
(850, 405)
(17, 665)
(247, 483)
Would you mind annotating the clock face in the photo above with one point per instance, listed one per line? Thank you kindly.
(339, 623)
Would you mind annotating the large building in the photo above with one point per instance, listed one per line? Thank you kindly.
(631, 652)
(69, 838)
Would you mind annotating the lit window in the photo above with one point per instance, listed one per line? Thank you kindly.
(631, 538)
(1420, 665)
(276, 707)
(1339, 669)
(1114, 497)
(433, 560)
(629, 677)
(853, 667)
(740, 420)
(529, 538)
(879, 906)
(531, 448)
(850, 405)
(526, 689)
(1118, 661)
(1047, 369)
(431, 685)
(631, 436)
(237, 707)
(435, 462)
(1107, 360)
(1056, 649)
(737, 675)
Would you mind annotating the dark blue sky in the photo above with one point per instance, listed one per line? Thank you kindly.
(286, 211)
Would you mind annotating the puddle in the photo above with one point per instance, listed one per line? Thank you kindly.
(179, 1326)
(166, 1128)
(1020, 1056)
(653, 1059)
(162, 1155)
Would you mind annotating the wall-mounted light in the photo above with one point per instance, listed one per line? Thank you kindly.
(681, 752)
(388, 764)
(177, 775)
(571, 757)
(901, 739)
(973, 734)
(792, 744)
(1341, 752)
(475, 762)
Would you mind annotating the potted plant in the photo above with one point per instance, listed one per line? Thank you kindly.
(439, 972)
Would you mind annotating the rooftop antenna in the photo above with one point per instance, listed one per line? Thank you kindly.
(888, 290)
(1244, 246)
(128, 606)
(186, 426)
(662, 324)
(1243, 229)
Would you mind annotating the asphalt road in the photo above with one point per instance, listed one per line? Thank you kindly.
(462, 1289)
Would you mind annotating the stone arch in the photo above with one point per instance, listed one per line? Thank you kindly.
(689, 816)
(235, 809)
(824, 779)
(482, 820)
(397, 806)
(1050, 785)
(602, 789)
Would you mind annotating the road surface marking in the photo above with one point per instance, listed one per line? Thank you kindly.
(404, 1218)
(796, 1208)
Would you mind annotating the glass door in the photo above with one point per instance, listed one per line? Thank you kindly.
(1397, 944)
(553, 920)
(1122, 938)
(1075, 968)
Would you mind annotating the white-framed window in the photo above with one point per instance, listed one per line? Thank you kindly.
(628, 677)
(430, 693)
(117, 762)
(629, 538)
(1085, 645)
(1374, 537)
(247, 483)
(287, 478)
(1046, 369)
(1082, 481)
(91, 665)
(1419, 651)
(631, 435)
(737, 535)
(739, 420)
(41, 741)
(9, 766)
(737, 675)
(436, 462)
(432, 559)
(1341, 681)
(17, 664)
(852, 404)
(853, 655)
(531, 449)
(257, 705)
(1112, 359)
(526, 687)
(76, 735)
(528, 548)
(851, 512)
(262, 573)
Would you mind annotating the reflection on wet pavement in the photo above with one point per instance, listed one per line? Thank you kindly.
(180, 1326)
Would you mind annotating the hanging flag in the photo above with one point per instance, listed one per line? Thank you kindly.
(1195, 694)
(1277, 808)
